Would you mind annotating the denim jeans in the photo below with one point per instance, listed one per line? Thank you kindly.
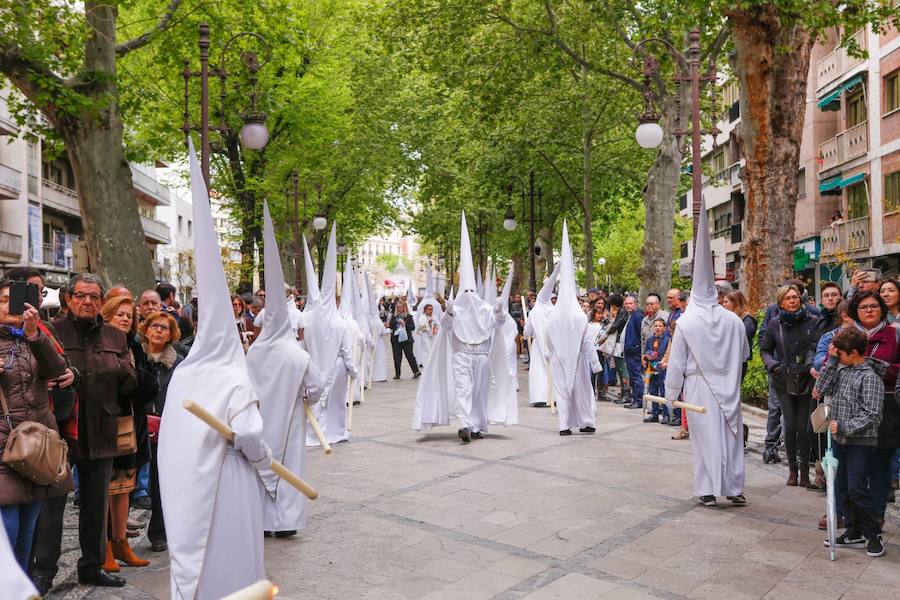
(658, 388)
(19, 521)
(635, 377)
(774, 422)
(142, 484)
(853, 490)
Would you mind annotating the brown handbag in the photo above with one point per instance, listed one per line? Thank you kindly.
(35, 451)
(126, 439)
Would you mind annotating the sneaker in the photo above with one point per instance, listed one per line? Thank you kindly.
(539, 405)
(465, 435)
(846, 540)
(477, 435)
(587, 429)
(875, 547)
(565, 432)
(650, 419)
(738, 500)
(664, 421)
(673, 422)
(708, 500)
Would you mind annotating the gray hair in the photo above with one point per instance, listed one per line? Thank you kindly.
(85, 278)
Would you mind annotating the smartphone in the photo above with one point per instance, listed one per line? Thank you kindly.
(21, 292)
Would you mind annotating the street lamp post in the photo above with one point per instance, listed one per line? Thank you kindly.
(650, 135)
(254, 134)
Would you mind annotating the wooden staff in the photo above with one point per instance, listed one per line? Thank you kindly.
(226, 432)
(677, 404)
(326, 447)
(261, 590)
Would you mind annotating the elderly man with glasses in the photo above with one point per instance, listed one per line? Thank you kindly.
(100, 353)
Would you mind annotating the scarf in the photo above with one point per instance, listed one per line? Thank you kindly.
(792, 317)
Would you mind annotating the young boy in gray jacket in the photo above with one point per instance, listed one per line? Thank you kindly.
(856, 390)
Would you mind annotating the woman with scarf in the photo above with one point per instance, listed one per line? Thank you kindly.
(402, 327)
(121, 313)
(870, 313)
(787, 348)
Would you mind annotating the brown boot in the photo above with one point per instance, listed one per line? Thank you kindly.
(804, 477)
(122, 551)
(792, 477)
(110, 565)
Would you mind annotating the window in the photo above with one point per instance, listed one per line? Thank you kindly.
(856, 108)
(857, 201)
(892, 92)
(801, 183)
(190, 232)
(718, 162)
(892, 191)
(180, 223)
(720, 217)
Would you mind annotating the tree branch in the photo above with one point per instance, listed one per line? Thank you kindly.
(146, 37)
(561, 176)
(33, 78)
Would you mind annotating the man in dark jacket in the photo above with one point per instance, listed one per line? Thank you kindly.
(100, 353)
(633, 352)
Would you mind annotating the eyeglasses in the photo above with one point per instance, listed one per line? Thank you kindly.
(158, 327)
(870, 307)
(261, 294)
(79, 297)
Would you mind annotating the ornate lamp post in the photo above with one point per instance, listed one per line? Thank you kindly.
(650, 135)
(254, 134)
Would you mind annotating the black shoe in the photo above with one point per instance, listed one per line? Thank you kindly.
(650, 419)
(143, 503)
(770, 455)
(101, 579)
(675, 422)
(396, 377)
(620, 401)
(539, 405)
(76, 500)
(875, 547)
(284, 534)
(43, 584)
(587, 429)
(634, 405)
(417, 374)
(664, 421)
(465, 435)
(159, 546)
(356, 402)
(738, 500)
(477, 435)
(846, 540)
(267, 534)
(708, 500)
(565, 432)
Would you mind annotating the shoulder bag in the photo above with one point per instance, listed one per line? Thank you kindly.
(126, 439)
(35, 451)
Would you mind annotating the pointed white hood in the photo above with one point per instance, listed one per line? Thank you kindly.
(479, 283)
(472, 316)
(325, 326)
(347, 290)
(429, 281)
(567, 321)
(312, 279)
(215, 376)
(276, 361)
(490, 286)
(410, 297)
(507, 288)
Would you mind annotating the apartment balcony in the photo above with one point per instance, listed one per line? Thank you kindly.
(149, 188)
(155, 230)
(61, 198)
(10, 183)
(833, 65)
(846, 237)
(845, 146)
(10, 245)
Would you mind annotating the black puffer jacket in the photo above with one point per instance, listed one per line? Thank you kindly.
(797, 337)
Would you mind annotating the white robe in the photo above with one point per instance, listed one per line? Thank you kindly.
(331, 410)
(717, 441)
(424, 334)
(379, 364)
(537, 365)
(510, 331)
(575, 408)
(14, 583)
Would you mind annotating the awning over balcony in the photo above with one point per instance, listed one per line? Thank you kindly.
(832, 101)
(834, 185)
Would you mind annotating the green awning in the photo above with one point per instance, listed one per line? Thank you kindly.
(830, 184)
(852, 179)
(833, 100)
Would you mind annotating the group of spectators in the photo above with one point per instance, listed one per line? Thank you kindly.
(98, 371)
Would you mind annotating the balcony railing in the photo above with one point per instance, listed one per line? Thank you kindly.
(149, 186)
(10, 182)
(155, 230)
(845, 237)
(838, 62)
(845, 146)
(10, 244)
(61, 198)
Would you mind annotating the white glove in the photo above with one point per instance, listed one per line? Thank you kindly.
(351, 372)
(498, 306)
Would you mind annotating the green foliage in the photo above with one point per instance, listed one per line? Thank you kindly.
(755, 388)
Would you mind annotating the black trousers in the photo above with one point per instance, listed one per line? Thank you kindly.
(48, 539)
(93, 492)
(401, 348)
(796, 411)
(156, 530)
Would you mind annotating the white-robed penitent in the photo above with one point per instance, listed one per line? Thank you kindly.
(378, 364)
(707, 353)
(468, 376)
(510, 330)
(571, 347)
(356, 325)
(536, 329)
(427, 326)
(14, 583)
(212, 490)
(330, 347)
(283, 377)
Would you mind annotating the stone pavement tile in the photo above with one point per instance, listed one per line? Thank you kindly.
(557, 546)
(669, 580)
(516, 566)
(624, 565)
(627, 593)
(527, 533)
(869, 591)
(748, 577)
(446, 569)
(572, 586)
(483, 584)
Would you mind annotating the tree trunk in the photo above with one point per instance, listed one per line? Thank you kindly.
(587, 143)
(519, 279)
(543, 263)
(772, 64)
(660, 193)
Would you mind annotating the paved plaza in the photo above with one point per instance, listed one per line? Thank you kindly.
(526, 514)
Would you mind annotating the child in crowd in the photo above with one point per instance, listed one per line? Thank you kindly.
(653, 354)
(856, 392)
